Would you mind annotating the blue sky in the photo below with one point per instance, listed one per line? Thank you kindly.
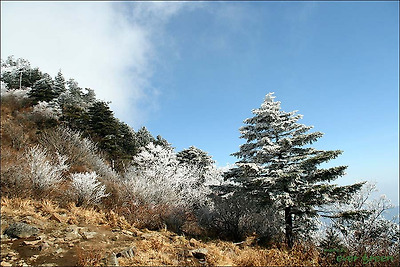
(192, 72)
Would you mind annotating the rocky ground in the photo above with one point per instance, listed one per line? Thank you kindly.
(57, 237)
(41, 233)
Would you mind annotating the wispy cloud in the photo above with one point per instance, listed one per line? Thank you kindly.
(95, 43)
(113, 48)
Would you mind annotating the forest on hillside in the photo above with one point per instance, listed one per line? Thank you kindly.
(59, 142)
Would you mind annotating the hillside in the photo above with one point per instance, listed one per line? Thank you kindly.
(80, 187)
(85, 237)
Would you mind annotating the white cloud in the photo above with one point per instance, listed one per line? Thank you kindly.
(94, 43)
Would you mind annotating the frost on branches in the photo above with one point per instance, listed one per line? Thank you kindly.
(159, 178)
(87, 188)
(361, 226)
(278, 165)
(49, 110)
(45, 173)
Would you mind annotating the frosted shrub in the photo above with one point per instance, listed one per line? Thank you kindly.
(4, 88)
(48, 110)
(158, 178)
(80, 151)
(16, 98)
(361, 226)
(87, 188)
(44, 173)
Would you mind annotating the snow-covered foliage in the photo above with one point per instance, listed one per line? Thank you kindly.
(277, 163)
(14, 68)
(158, 178)
(49, 110)
(13, 71)
(4, 88)
(361, 225)
(81, 151)
(19, 94)
(45, 171)
(87, 188)
(73, 95)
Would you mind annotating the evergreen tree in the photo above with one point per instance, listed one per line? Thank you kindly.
(32, 76)
(72, 95)
(18, 73)
(75, 117)
(89, 97)
(196, 156)
(59, 84)
(101, 120)
(43, 90)
(162, 142)
(23, 67)
(103, 127)
(126, 141)
(277, 165)
(144, 137)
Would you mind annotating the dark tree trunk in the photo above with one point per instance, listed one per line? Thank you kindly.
(289, 227)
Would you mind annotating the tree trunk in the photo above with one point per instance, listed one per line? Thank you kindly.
(20, 80)
(289, 227)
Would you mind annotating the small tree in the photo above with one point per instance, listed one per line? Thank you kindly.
(87, 188)
(361, 226)
(158, 178)
(59, 84)
(277, 165)
(144, 137)
(45, 174)
(197, 158)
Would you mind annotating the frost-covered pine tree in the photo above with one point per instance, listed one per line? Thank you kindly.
(277, 165)
(43, 90)
(59, 84)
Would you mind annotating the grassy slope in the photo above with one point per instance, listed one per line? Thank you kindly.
(152, 247)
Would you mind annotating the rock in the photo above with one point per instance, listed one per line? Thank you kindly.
(59, 251)
(112, 260)
(44, 246)
(72, 236)
(21, 230)
(126, 232)
(34, 257)
(11, 254)
(50, 264)
(88, 235)
(126, 253)
(4, 263)
(200, 253)
(72, 228)
(31, 243)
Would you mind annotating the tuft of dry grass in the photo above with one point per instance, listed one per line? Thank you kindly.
(90, 256)
(18, 206)
(87, 215)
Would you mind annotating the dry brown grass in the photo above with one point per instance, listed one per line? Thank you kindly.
(87, 215)
(160, 247)
(18, 206)
(90, 256)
